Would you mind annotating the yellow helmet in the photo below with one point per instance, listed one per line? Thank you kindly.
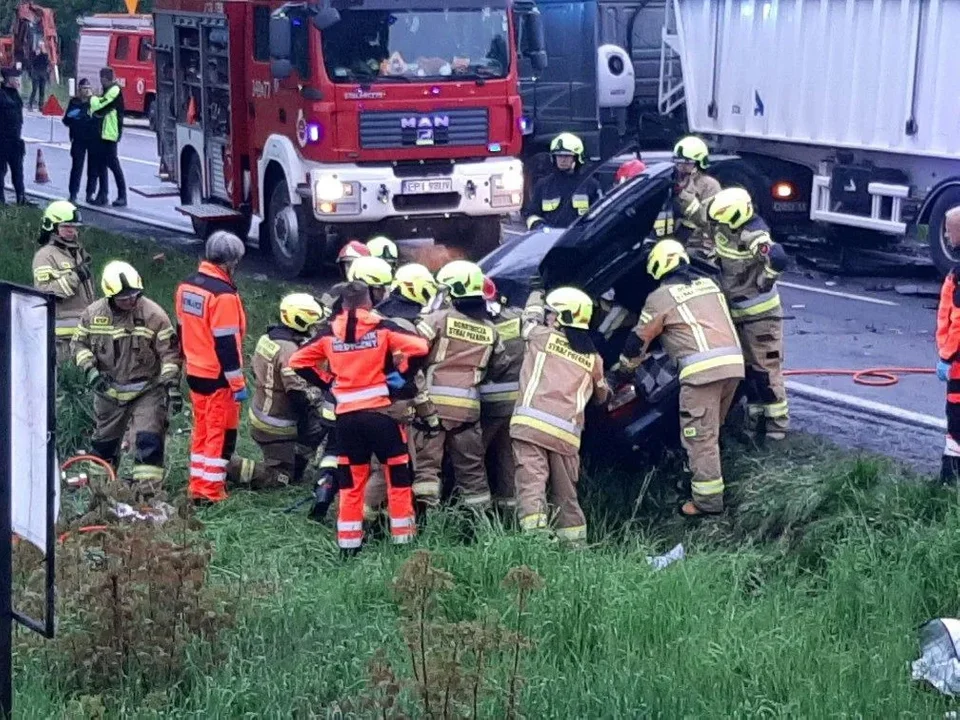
(464, 278)
(665, 256)
(573, 307)
(57, 212)
(414, 282)
(300, 311)
(383, 248)
(692, 149)
(371, 271)
(120, 279)
(731, 207)
(567, 144)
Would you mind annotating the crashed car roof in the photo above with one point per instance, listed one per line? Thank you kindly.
(595, 251)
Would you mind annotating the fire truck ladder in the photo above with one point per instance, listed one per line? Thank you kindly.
(670, 95)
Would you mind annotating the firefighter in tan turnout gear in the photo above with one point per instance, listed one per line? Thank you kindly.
(129, 351)
(61, 267)
(561, 373)
(412, 288)
(689, 314)
(750, 263)
(498, 396)
(463, 344)
(692, 188)
(285, 413)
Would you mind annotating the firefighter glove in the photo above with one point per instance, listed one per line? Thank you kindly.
(943, 370)
(323, 496)
(430, 424)
(395, 380)
(96, 381)
(83, 272)
(241, 395)
(174, 400)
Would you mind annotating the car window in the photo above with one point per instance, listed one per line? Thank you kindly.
(122, 48)
(144, 51)
(300, 53)
(261, 33)
(612, 195)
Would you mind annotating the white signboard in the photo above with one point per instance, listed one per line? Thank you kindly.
(29, 363)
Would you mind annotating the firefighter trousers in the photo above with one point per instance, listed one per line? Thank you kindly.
(464, 444)
(360, 435)
(703, 408)
(146, 419)
(762, 342)
(950, 467)
(498, 448)
(215, 419)
(285, 460)
(547, 484)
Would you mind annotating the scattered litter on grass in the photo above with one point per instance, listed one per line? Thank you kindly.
(659, 562)
(939, 662)
(158, 514)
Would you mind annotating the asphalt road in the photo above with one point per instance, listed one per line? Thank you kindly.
(832, 323)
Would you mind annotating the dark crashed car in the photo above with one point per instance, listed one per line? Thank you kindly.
(606, 248)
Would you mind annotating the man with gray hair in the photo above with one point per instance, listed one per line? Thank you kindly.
(212, 325)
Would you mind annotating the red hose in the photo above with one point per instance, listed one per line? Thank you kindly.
(90, 458)
(874, 377)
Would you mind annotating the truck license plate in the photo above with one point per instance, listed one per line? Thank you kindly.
(422, 187)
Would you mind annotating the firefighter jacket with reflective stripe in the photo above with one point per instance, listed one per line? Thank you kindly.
(135, 351)
(689, 197)
(948, 318)
(462, 348)
(280, 396)
(691, 319)
(746, 276)
(212, 325)
(556, 383)
(353, 354)
(560, 198)
(66, 274)
(501, 386)
(414, 399)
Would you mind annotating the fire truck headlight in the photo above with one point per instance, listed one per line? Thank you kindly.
(506, 189)
(328, 188)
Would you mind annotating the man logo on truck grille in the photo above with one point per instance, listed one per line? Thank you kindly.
(425, 126)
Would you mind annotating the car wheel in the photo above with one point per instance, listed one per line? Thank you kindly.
(292, 249)
(943, 256)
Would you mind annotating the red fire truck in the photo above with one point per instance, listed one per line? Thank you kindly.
(330, 122)
(124, 43)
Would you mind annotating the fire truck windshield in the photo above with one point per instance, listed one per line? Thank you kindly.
(404, 45)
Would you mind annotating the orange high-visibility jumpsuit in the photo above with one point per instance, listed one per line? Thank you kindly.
(948, 349)
(212, 326)
(352, 355)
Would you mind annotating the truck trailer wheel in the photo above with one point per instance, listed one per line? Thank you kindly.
(943, 256)
(292, 249)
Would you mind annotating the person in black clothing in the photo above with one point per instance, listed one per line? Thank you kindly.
(84, 134)
(563, 195)
(12, 148)
(39, 72)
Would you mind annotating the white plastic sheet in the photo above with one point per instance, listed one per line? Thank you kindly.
(939, 651)
(29, 424)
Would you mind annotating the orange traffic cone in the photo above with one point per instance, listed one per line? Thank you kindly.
(41, 176)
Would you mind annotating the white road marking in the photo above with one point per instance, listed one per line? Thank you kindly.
(66, 146)
(837, 293)
(869, 406)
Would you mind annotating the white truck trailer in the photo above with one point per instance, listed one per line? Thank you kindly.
(846, 109)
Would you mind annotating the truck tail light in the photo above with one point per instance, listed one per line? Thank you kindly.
(783, 190)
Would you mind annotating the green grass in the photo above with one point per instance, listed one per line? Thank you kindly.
(802, 601)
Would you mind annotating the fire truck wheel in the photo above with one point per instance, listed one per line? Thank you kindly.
(294, 253)
(191, 193)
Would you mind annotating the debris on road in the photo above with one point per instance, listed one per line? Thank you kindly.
(919, 289)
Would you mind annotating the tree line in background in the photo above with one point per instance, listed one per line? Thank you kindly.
(67, 12)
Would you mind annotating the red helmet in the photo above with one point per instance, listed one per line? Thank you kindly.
(630, 169)
(352, 250)
(489, 289)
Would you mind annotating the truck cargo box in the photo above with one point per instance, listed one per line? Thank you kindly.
(866, 74)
